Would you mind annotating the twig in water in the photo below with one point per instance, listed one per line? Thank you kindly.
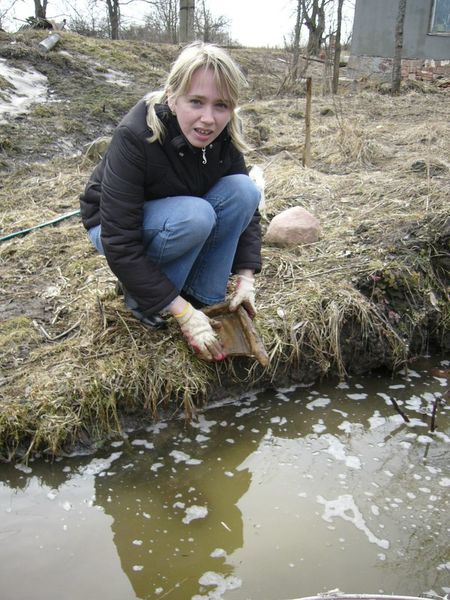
(434, 412)
(399, 410)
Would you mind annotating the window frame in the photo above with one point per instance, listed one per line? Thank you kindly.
(431, 30)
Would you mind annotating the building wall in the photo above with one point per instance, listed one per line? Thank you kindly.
(374, 31)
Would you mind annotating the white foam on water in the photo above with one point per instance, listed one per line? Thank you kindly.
(99, 465)
(425, 439)
(319, 427)
(282, 396)
(194, 512)
(179, 456)
(412, 373)
(203, 424)
(405, 445)
(156, 427)
(376, 420)
(319, 403)
(413, 402)
(144, 443)
(287, 390)
(202, 438)
(218, 553)
(246, 411)
(444, 482)
(342, 386)
(416, 423)
(442, 436)
(117, 444)
(340, 412)
(357, 396)
(220, 582)
(337, 450)
(155, 466)
(278, 420)
(24, 468)
(345, 508)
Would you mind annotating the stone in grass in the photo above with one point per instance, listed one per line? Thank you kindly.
(293, 227)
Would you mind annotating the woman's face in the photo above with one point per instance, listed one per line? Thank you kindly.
(202, 112)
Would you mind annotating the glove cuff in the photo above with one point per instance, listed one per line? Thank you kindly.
(184, 316)
(247, 278)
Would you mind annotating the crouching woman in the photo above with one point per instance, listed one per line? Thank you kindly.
(171, 205)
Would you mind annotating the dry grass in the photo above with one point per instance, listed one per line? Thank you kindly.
(75, 362)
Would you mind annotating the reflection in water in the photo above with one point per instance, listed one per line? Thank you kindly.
(279, 495)
(173, 504)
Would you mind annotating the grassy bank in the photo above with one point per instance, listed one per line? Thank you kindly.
(372, 292)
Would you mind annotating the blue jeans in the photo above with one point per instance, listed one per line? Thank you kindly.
(193, 240)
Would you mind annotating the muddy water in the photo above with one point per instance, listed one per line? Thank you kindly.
(279, 495)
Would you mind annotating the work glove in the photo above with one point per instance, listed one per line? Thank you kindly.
(199, 333)
(244, 295)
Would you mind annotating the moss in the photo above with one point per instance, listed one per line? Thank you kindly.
(44, 111)
(15, 331)
(6, 144)
(4, 84)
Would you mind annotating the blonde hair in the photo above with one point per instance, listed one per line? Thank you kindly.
(228, 78)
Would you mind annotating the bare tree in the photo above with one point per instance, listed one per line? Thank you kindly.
(296, 41)
(397, 63)
(113, 7)
(314, 19)
(209, 28)
(337, 48)
(40, 9)
(164, 19)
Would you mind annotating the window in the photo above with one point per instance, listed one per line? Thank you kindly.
(440, 16)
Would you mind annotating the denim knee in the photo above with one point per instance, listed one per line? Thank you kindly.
(248, 192)
(239, 188)
(196, 220)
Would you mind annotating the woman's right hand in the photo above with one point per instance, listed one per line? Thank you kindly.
(199, 332)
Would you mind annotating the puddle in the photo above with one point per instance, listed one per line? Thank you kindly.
(279, 495)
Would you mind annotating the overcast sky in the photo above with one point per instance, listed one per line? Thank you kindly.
(253, 22)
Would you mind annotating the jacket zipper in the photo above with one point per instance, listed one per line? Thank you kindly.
(204, 160)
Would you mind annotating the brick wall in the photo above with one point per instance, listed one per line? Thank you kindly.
(417, 69)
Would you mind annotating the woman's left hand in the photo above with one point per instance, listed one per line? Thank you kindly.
(244, 295)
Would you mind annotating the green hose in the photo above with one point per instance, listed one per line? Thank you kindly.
(10, 236)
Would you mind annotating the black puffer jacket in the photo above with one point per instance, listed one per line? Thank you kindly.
(134, 171)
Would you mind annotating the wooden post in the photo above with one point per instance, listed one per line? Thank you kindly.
(307, 147)
(187, 9)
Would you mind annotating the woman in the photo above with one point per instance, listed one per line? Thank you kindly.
(171, 205)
